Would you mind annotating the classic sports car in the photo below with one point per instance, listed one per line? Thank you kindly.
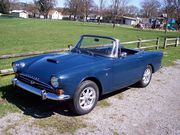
(96, 65)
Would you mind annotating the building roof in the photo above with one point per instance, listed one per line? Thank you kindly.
(18, 11)
(52, 12)
(130, 18)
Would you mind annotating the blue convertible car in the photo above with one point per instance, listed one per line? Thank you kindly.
(96, 65)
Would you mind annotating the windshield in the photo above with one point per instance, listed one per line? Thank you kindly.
(96, 45)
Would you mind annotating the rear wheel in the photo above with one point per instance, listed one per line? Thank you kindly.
(147, 75)
(85, 98)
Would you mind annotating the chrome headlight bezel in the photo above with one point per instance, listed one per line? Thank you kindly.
(55, 81)
(17, 66)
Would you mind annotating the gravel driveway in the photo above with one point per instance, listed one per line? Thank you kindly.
(154, 110)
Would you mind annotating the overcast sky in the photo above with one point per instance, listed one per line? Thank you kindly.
(61, 2)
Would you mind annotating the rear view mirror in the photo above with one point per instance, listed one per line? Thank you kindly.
(96, 39)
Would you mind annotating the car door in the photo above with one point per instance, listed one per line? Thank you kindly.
(127, 70)
(103, 71)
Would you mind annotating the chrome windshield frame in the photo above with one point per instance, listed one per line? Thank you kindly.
(114, 53)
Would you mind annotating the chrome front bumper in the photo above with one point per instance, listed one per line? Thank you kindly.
(39, 92)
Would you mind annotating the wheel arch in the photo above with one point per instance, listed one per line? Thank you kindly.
(95, 80)
(152, 67)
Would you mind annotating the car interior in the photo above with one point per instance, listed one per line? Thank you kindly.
(127, 51)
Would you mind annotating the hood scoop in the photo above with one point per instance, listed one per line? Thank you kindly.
(53, 61)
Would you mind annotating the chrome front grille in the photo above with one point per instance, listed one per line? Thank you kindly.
(35, 83)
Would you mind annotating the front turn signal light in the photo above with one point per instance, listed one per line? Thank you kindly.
(59, 91)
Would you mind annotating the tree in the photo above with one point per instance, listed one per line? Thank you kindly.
(32, 9)
(150, 8)
(4, 6)
(177, 7)
(79, 7)
(101, 5)
(132, 11)
(44, 6)
(16, 5)
(172, 9)
(73, 6)
(118, 9)
(85, 7)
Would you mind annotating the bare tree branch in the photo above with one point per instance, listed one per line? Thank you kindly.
(118, 9)
(44, 6)
(150, 8)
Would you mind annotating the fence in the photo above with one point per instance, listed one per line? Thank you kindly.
(6, 71)
(139, 42)
(174, 42)
(31, 53)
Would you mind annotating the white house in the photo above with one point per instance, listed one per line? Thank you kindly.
(145, 20)
(129, 20)
(54, 14)
(41, 16)
(94, 18)
(19, 13)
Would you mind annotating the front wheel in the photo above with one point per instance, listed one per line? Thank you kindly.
(85, 98)
(147, 75)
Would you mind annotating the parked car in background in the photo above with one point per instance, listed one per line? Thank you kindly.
(140, 25)
(95, 66)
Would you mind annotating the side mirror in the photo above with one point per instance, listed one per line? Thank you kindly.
(70, 47)
(123, 54)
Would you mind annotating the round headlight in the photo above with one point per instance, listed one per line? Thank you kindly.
(17, 66)
(14, 67)
(22, 64)
(54, 82)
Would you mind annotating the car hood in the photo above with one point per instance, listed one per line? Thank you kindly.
(47, 66)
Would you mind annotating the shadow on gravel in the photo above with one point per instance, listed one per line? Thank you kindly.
(113, 93)
(34, 106)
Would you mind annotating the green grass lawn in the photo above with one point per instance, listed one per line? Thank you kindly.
(24, 35)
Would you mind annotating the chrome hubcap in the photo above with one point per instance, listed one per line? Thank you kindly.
(87, 98)
(147, 76)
